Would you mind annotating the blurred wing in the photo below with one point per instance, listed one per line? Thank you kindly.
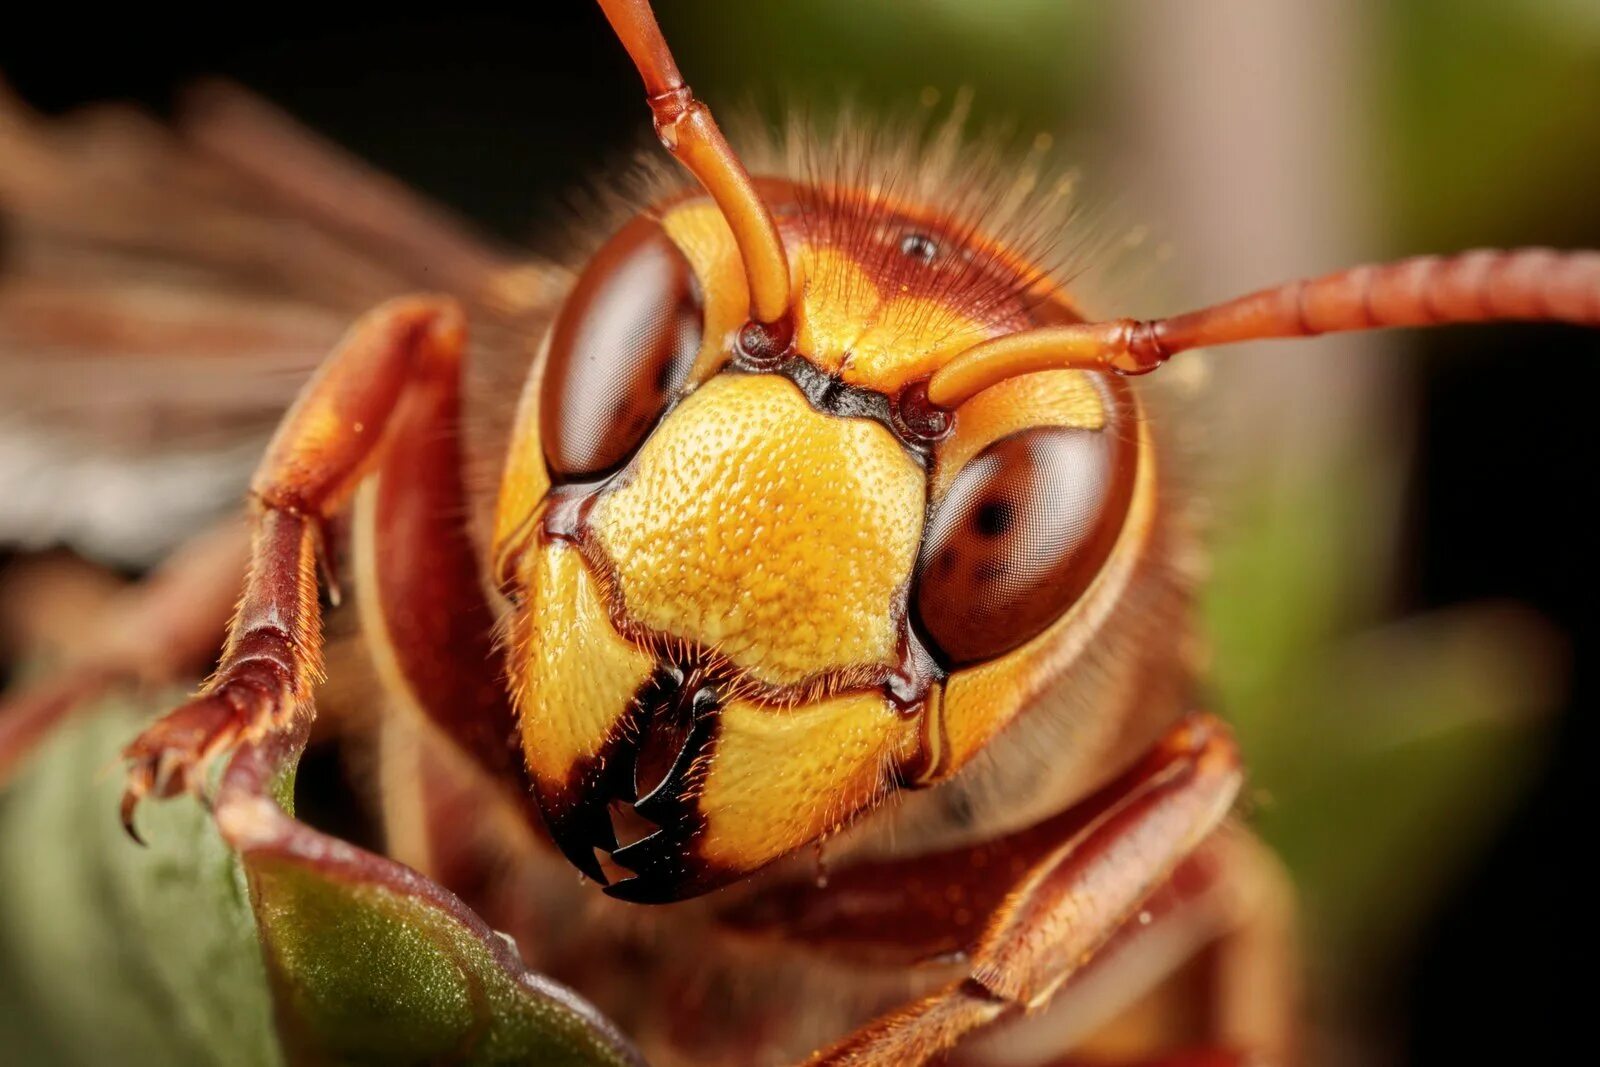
(164, 292)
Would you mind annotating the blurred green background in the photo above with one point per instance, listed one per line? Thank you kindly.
(1400, 599)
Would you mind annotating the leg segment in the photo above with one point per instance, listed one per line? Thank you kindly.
(430, 632)
(47, 601)
(1255, 965)
(1068, 906)
(167, 625)
(429, 628)
(1205, 973)
(332, 436)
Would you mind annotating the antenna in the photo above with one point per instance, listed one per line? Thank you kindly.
(1487, 285)
(686, 129)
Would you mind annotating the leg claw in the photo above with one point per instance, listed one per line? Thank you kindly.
(175, 755)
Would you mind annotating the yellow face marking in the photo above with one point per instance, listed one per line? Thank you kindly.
(574, 676)
(703, 236)
(911, 338)
(759, 527)
(847, 324)
(835, 301)
(526, 479)
(1063, 398)
(780, 777)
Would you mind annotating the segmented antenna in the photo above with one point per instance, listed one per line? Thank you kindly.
(1487, 285)
(687, 130)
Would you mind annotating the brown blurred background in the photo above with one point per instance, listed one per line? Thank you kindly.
(1401, 606)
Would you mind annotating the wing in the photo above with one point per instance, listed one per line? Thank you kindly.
(165, 290)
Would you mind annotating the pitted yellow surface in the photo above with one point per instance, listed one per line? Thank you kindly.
(780, 777)
(758, 526)
(574, 676)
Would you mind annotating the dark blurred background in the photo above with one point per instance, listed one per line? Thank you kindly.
(1401, 601)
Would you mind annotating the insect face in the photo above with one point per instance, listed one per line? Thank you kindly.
(770, 585)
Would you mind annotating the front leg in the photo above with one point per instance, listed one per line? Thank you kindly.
(1209, 966)
(331, 437)
(1069, 905)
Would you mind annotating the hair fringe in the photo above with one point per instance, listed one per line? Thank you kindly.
(1009, 200)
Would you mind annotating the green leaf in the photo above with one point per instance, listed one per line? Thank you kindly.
(374, 976)
(113, 953)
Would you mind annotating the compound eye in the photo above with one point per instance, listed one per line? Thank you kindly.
(1023, 530)
(620, 352)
